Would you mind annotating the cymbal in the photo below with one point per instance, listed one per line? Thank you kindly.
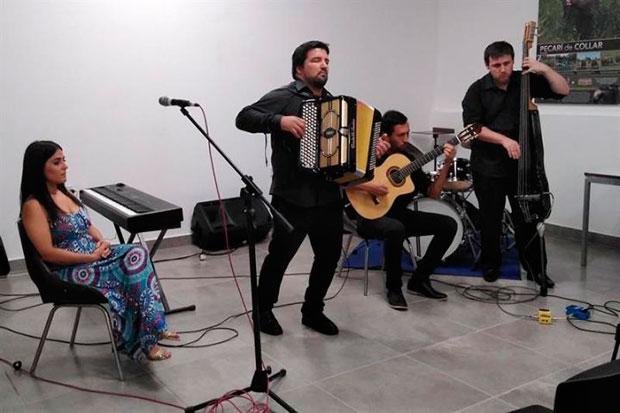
(436, 131)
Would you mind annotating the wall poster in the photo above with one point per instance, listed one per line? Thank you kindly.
(580, 39)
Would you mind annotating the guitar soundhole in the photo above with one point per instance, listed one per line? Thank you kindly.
(396, 177)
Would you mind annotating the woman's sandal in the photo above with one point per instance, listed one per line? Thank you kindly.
(169, 335)
(160, 354)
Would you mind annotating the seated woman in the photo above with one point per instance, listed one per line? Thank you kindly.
(61, 231)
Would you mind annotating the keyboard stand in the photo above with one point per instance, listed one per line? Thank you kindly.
(152, 251)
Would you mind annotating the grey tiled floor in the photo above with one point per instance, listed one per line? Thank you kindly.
(452, 356)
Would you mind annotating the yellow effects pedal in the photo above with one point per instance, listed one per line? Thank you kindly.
(544, 316)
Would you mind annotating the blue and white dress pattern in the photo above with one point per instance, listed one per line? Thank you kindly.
(126, 278)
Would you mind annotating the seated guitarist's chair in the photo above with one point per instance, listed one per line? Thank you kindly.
(62, 294)
(350, 228)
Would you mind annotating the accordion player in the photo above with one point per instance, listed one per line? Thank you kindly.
(340, 138)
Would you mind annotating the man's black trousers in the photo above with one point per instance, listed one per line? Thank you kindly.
(323, 226)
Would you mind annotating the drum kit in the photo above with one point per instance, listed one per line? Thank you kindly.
(454, 203)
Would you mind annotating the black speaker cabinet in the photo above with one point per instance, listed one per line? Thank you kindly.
(594, 390)
(208, 228)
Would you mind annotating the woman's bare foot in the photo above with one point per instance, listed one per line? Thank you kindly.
(158, 353)
(169, 335)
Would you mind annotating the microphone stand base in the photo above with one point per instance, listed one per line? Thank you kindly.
(260, 381)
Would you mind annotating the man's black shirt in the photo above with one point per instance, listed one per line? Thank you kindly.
(290, 182)
(499, 110)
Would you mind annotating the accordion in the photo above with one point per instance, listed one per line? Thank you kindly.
(340, 138)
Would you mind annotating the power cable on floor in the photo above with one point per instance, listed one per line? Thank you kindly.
(17, 367)
(505, 295)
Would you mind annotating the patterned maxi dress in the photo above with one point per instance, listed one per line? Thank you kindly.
(126, 278)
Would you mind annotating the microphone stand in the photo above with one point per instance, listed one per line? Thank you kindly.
(614, 354)
(261, 378)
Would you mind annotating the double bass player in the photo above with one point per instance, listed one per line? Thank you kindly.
(494, 102)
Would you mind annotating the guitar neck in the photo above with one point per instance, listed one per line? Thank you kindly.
(426, 158)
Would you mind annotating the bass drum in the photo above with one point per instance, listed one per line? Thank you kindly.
(442, 208)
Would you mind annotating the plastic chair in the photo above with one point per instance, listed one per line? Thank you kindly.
(62, 294)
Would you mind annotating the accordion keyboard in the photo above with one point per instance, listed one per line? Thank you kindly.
(308, 144)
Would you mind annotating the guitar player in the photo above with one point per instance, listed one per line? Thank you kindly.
(400, 222)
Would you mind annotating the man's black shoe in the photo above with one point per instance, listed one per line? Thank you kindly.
(550, 283)
(269, 324)
(490, 274)
(425, 289)
(396, 300)
(319, 322)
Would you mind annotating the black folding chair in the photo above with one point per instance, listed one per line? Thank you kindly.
(62, 294)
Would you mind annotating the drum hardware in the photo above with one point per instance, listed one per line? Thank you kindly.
(466, 215)
(470, 217)
(459, 177)
(508, 229)
(432, 175)
(465, 209)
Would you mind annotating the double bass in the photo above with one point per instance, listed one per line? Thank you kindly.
(533, 193)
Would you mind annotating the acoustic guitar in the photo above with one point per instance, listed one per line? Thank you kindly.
(395, 174)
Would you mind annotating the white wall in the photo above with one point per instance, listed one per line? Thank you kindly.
(88, 75)
(577, 138)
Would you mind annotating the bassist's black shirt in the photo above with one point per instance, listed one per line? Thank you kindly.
(498, 110)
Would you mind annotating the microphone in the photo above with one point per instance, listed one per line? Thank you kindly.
(166, 101)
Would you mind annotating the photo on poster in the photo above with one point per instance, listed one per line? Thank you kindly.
(580, 39)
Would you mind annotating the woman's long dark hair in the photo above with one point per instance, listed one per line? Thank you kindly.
(34, 184)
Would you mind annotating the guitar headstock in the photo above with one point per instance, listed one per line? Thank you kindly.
(528, 35)
(469, 133)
